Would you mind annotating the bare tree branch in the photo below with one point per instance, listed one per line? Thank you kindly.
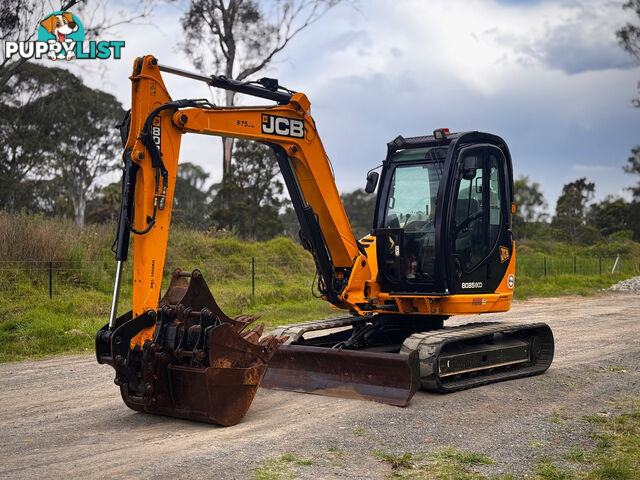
(629, 37)
(241, 38)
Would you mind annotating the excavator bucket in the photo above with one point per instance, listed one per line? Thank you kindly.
(200, 365)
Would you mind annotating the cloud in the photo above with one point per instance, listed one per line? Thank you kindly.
(476, 65)
(546, 76)
(573, 37)
(595, 169)
(585, 40)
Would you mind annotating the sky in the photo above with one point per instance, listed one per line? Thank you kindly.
(547, 76)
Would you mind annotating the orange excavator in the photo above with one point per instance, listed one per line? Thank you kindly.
(440, 245)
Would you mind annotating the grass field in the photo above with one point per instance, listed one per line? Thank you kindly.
(82, 268)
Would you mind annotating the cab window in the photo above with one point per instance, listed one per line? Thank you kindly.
(478, 212)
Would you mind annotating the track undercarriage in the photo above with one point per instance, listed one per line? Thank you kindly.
(202, 365)
(387, 359)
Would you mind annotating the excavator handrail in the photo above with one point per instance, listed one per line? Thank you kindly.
(248, 88)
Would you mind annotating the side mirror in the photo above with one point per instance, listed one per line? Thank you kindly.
(372, 182)
(469, 166)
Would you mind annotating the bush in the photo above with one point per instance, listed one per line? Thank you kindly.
(33, 238)
(622, 235)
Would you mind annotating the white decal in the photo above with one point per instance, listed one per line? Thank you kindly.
(283, 126)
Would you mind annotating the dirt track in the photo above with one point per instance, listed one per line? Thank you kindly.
(63, 417)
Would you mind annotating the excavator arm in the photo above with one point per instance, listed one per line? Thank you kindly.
(151, 154)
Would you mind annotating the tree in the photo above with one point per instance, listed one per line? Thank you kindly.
(239, 38)
(359, 206)
(571, 211)
(615, 215)
(253, 190)
(57, 139)
(26, 144)
(87, 144)
(629, 37)
(530, 209)
(290, 223)
(574, 198)
(634, 167)
(191, 199)
(529, 200)
(104, 204)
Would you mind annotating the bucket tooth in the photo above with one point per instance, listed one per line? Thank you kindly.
(254, 334)
(228, 349)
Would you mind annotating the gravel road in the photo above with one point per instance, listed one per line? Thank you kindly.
(63, 417)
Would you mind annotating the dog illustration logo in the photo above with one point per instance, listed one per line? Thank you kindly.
(61, 37)
(62, 30)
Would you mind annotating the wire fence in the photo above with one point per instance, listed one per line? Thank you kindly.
(544, 265)
(247, 277)
(55, 278)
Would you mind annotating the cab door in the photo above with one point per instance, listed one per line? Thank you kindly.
(479, 236)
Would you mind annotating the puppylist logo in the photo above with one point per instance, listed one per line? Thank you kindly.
(61, 36)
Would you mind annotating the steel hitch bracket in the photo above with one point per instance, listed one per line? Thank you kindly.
(200, 365)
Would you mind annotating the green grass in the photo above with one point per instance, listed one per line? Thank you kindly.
(559, 416)
(547, 470)
(567, 284)
(616, 455)
(463, 457)
(615, 368)
(448, 463)
(406, 460)
(279, 468)
(32, 325)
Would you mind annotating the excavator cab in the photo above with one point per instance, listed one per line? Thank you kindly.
(443, 214)
(441, 239)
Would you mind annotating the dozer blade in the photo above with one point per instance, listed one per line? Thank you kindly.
(200, 364)
(389, 378)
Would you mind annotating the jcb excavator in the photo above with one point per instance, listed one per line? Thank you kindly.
(440, 245)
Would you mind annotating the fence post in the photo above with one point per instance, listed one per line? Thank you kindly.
(574, 265)
(616, 265)
(545, 265)
(599, 265)
(50, 280)
(253, 277)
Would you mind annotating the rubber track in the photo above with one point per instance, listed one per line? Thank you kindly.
(429, 345)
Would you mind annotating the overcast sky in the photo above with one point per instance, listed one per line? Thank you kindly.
(547, 76)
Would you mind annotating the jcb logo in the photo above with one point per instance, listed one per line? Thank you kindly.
(282, 126)
(504, 254)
